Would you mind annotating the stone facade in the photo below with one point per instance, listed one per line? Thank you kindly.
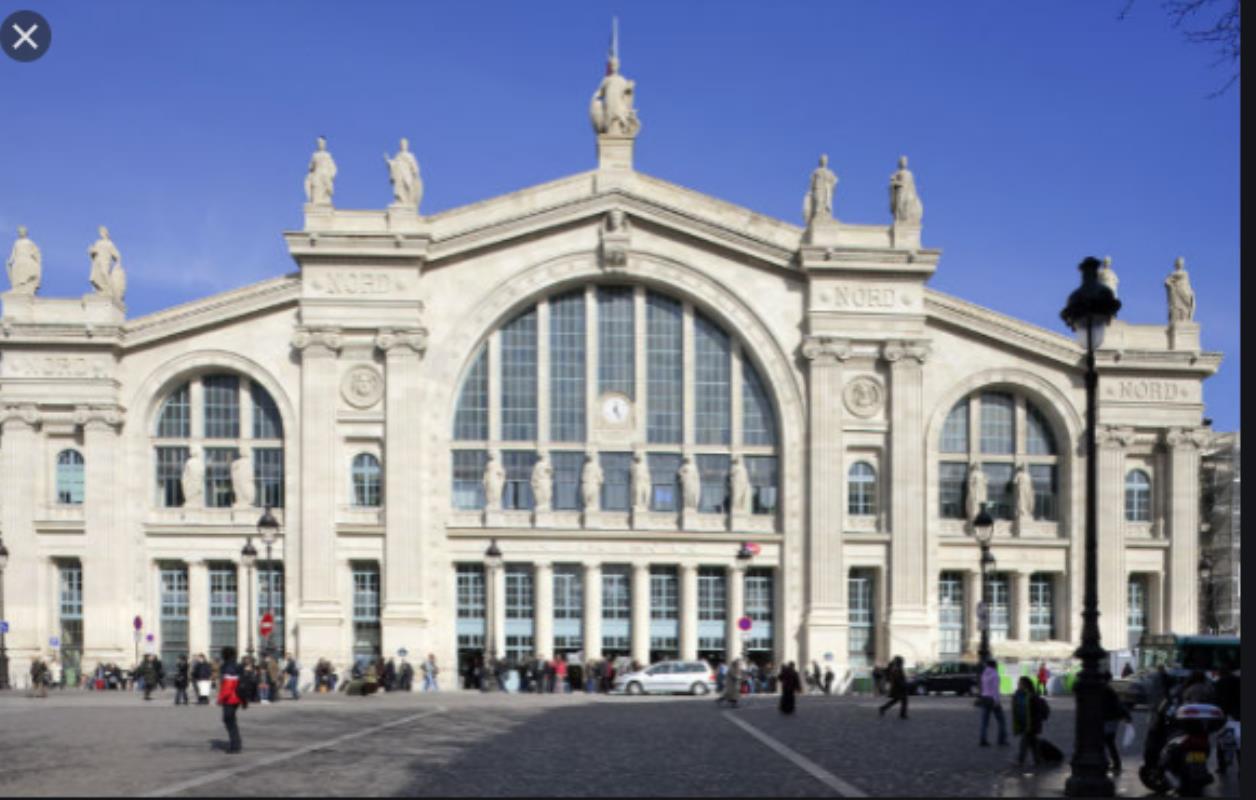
(1220, 601)
(355, 368)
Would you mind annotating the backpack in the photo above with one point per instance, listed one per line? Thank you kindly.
(246, 689)
(1041, 709)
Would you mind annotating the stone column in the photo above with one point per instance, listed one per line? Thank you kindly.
(321, 615)
(19, 449)
(1155, 602)
(1060, 608)
(593, 610)
(495, 611)
(1021, 605)
(641, 613)
(543, 583)
(736, 610)
(688, 611)
(1111, 443)
(106, 556)
(825, 617)
(198, 607)
(1183, 525)
(403, 616)
(909, 625)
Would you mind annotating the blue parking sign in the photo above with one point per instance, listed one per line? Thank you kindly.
(4, 626)
(54, 642)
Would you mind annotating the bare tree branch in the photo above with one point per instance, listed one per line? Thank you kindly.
(1222, 33)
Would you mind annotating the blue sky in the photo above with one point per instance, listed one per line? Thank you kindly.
(1039, 131)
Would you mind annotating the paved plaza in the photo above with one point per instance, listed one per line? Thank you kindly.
(463, 744)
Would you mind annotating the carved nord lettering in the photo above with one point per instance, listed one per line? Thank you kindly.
(863, 297)
(356, 282)
(1153, 391)
(55, 367)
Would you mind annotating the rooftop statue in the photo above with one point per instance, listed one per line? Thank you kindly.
(403, 171)
(611, 107)
(1181, 295)
(107, 277)
(904, 202)
(24, 265)
(817, 206)
(321, 178)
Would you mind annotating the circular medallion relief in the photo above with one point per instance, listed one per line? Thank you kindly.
(362, 386)
(863, 396)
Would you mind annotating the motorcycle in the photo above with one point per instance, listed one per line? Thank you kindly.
(1175, 755)
(1228, 745)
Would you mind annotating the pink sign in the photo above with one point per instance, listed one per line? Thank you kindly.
(744, 623)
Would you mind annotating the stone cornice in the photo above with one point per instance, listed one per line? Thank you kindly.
(27, 414)
(110, 416)
(390, 340)
(826, 349)
(896, 351)
(1187, 438)
(1001, 328)
(317, 340)
(1112, 437)
(213, 310)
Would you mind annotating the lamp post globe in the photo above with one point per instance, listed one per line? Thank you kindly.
(248, 557)
(1090, 309)
(4, 650)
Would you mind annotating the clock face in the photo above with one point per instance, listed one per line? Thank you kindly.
(616, 408)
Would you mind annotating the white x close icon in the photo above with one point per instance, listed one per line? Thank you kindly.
(24, 37)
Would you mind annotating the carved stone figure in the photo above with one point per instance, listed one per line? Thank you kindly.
(976, 492)
(107, 276)
(494, 482)
(242, 481)
(739, 486)
(542, 482)
(403, 171)
(1024, 494)
(193, 481)
(611, 108)
(24, 265)
(640, 483)
(321, 179)
(817, 206)
(904, 202)
(690, 484)
(1181, 295)
(591, 483)
(1107, 275)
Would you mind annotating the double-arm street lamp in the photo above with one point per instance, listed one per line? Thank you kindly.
(248, 557)
(4, 650)
(983, 531)
(268, 529)
(1090, 309)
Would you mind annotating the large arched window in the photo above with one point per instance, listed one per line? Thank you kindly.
(998, 431)
(70, 477)
(861, 490)
(613, 370)
(1137, 496)
(218, 417)
(366, 481)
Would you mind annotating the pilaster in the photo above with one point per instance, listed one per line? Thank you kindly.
(688, 611)
(593, 611)
(1021, 605)
(1111, 443)
(495, 611)
(198, 608)
(106, 560)
(19, 424)
(1183, 494)
(641, 613)
(543, 577)
(736, 610)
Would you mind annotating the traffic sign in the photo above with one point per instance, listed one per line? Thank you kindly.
(754, 548)
(4, 626)
(138, 623)
(267, 624)
(828, 656)
(54, 642)
(745, 623)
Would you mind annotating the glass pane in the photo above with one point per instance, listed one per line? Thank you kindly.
(955, 429)
(1038, 437)
(664, 370)
(862, 490)
(468, 478)
(1045, 491)
(998, 428)
(665, 485)
(763, 483)
(175, 420)
(222, 406)
(518, 374)
(1000, 492)
(758, 425)
(70, 477)
(617, 338)
(713, 471)
(616, 469)
(169, 474)
(471, 418)
(567, 362)
(712, 388)
(218, 493)
(268, 476)
(517, 492)
(567, 466)
(366, 480)
(952, 489)
(267, 424)
(470, 591)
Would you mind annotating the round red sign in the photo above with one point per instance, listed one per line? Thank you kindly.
(754, 548)
(267, 624)
(745, 623)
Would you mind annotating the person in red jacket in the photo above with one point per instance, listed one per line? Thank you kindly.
(229, 698)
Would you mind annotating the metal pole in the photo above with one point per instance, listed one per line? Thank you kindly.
(270, 590)
(4, 650)
(983, 651)
(1089, 776)
(249, 580)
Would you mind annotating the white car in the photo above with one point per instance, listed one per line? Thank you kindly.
(668, 677)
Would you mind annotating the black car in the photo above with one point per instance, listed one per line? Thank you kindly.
(948, 676)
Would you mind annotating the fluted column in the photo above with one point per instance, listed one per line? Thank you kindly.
(688, 611)
(736, 610)
(22, 606)
(1183, 518)
(543, 577)
(106, 558)
(1111, 443)
(198, 607)
(593, 610)
(1022, 605)
(495, 611)
(1155, 602)
(641, 613)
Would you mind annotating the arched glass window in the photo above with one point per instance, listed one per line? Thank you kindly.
(1038, 438)
(218, 416)
(70, 477)
(366, 481)
(1137, 496)
(861, 490)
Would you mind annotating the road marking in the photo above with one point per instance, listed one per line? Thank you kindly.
(816, 771)
(223, 774)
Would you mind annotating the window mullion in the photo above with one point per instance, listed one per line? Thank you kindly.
(495, 388)
(543, 371)
(687, 375)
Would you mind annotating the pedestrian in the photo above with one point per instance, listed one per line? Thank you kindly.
(1029, 711)
(898, 688)
(828, 679)
(1197, 689)
(181, 681)
(1226, 693)
(292, 674)
(560, 675)
(1114, 713)
(1157, 686)
(56, 676)
(790, 684)
(990, 703)
(39, 680)
(878, 680)
(1043, 676)
(148, 673)
(1127, 670)
(430, 671)
(405, 675)
(732, 685)
(230, 699)
(721, 675)
(371, 681)
(274, 678)
(202, 677)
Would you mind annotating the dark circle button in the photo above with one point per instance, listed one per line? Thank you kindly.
(25, 36)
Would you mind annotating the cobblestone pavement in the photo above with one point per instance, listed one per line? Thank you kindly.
(464, 744)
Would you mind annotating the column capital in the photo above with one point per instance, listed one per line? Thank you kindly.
(27, 414)
(897, 352)
(826, 349)
(1187, 438)
(393, 341)
(317, 341)
(1112, 437)
(97, 417)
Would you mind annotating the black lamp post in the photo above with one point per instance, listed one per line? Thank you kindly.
(744, 554)
(248, 557)
(268, 528)
(983, 531)
(4, 650)
(492, 563)
(1090, 309)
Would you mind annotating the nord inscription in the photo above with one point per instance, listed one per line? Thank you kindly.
(357, 282)
(864, 297)
(1155, 391)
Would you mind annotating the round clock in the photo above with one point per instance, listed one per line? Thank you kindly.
(616, 408)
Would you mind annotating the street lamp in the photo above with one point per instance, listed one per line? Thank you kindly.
(268, 528)
(492, 563)
(983, 530)
(744, 554)
(248, 557)
(1205, 578)
(1090, 309)
(4, 650)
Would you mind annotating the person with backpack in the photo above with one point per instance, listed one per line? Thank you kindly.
(990, 703)
(1029, 711)
(898, 688)
(230, 698)
(1114, 713)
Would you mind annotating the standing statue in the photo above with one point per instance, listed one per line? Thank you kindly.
(904, 202)
(591, 478)
(494, 482)
(193, 481)
(817, 206)
(403, 171)
(242, 481)
(107, 276)
(690, 484)
(321, 178)
(542, 482)
(739, 486)
(611, 107)
(1024, 494)
(24, 264)
(976, 491)
(1181, 296)
(641, 483)
(1107, 275)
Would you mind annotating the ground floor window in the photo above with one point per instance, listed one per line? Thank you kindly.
(270, 597)
(1041, 607)
(568, 609)
(664, 613)
(173, 625)
(520, 611)
(1135, 610)
(71, 607)
(223, 607)
(997, 592)
(366, 631)
(616, 611)
(469, 608)
(950, 614)
(861, 635)
(759, 607)
(712, 609)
